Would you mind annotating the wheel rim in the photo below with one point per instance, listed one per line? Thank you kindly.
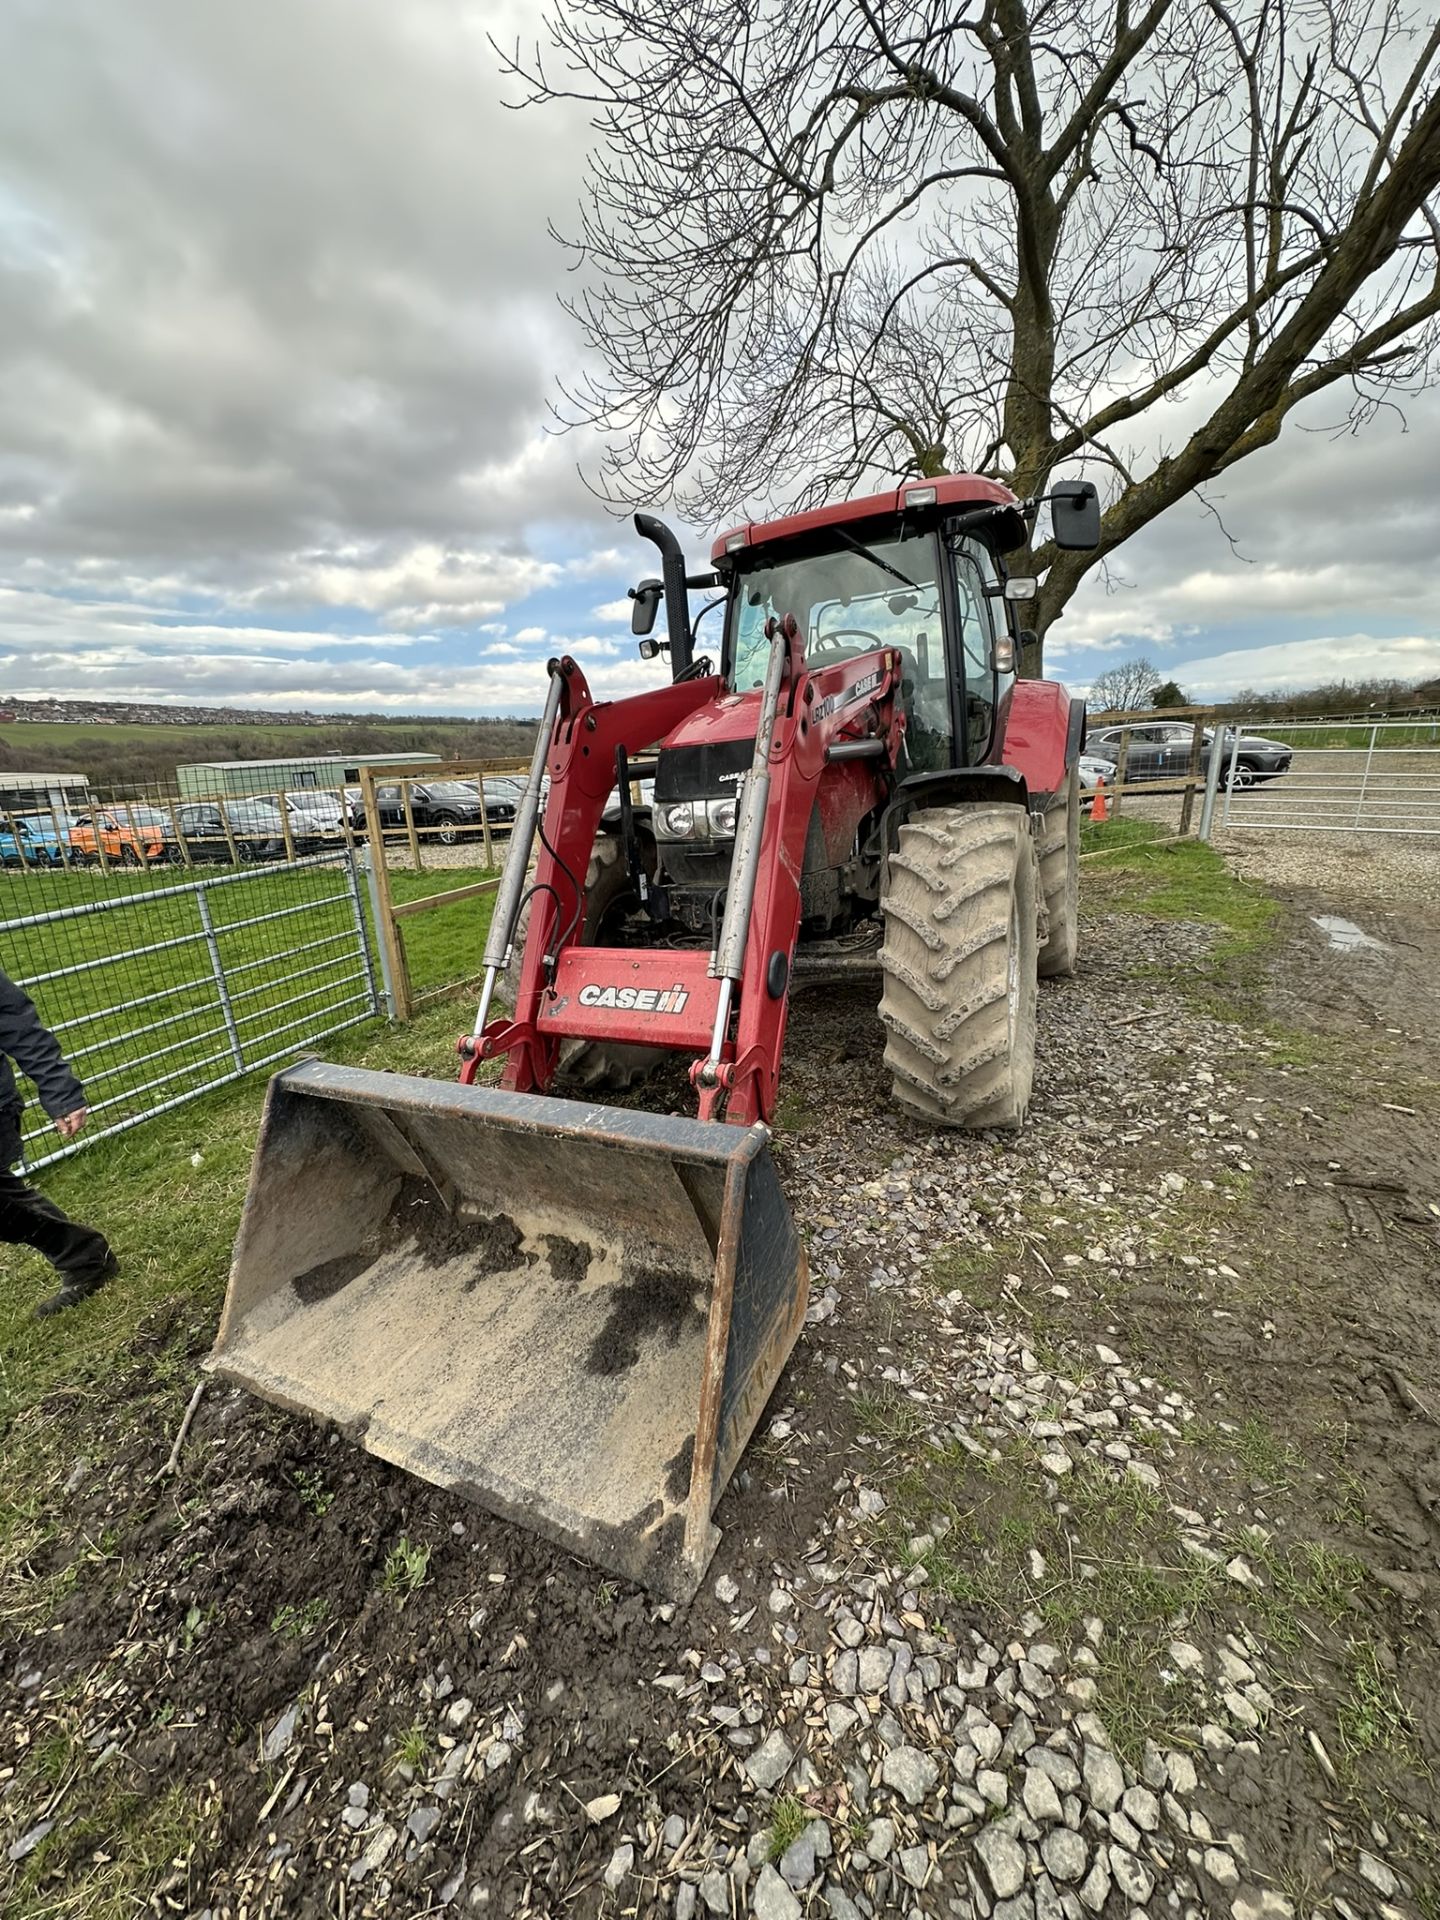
(447, 833)
(1244, 777)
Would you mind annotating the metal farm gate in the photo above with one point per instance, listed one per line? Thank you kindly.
(158, 993)
(1377, 777)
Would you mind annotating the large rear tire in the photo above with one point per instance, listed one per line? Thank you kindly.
(589, 1064)
(959, 964)
(1059, 851)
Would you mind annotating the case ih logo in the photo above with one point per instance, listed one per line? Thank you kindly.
(635, 999)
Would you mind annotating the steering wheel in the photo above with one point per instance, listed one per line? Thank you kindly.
(825, 641)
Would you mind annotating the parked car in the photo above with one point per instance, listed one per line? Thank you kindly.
(31, 843)
(1094, 768)
(502, 797)
(452, 808)
(1161, 751)
(315, 814)
(137, 836)
(255, 828)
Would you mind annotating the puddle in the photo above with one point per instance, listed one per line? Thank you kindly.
(1344, 936)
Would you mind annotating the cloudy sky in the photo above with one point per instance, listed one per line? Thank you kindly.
(278, 326)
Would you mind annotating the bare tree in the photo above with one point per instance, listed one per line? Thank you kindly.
(826, 241)
(1126, 688)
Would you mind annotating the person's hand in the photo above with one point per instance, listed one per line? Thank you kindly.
(69, 1124)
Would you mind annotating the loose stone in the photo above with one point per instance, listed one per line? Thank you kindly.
(770, 1762)
(1003, 1861)
(911, 1773)
(1104, 1782)
(1064, 1854)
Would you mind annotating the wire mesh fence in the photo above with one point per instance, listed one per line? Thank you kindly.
(173, 942)
(441, 815)
(160, 987)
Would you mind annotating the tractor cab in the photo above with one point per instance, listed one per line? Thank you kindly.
(920, 569)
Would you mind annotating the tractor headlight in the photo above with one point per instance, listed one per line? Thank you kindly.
(676, 821)
(721, 814)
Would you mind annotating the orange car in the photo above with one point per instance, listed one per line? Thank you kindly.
(127, 842)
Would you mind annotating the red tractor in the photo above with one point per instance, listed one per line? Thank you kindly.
(576, 1313)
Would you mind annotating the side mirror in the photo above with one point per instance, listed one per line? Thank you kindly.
(647, 604)
(1075, 515)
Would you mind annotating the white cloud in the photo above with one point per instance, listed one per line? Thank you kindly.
(614, 610)
(530, 635)
(1309, 663)
(598, 563)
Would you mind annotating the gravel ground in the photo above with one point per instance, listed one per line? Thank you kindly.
(1343, 866)
(1007, 1619)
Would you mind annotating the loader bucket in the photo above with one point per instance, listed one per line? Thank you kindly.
(570, 1314)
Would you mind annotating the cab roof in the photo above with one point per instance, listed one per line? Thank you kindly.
(946, 492)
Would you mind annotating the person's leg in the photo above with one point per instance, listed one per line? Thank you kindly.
(79, 1254)
(28, 1218)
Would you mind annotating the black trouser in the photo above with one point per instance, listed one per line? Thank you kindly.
(28, 1219)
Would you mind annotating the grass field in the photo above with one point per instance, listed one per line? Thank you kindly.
(1422, 733)
(142, 1020)
(168, 1195)
(270, 742)
(140, 760)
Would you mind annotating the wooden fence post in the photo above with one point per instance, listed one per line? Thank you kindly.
(387, 931)
(1192, 776)
(1120, 764)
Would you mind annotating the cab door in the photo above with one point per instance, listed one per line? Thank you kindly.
(977, 616)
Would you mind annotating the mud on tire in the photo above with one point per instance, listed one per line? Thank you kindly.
(1059, 852)
(959, 965)
(588, 1064)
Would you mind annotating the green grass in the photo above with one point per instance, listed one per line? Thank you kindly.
(172, 1224)
(105, 1858)
(298, 1623)
(1421, 733)
(1184, 880)
(406, 1569)
(789, 1818)
(887, 1415)
(1372, 1718)
(1116, 1554)
(412, 1749)
(197, 743)
(442, 948)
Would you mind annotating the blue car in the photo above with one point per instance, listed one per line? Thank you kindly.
(30, 843)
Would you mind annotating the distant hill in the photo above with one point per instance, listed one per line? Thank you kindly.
(139, 713)
(121, 751)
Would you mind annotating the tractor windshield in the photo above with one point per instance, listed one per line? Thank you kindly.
(847, 602)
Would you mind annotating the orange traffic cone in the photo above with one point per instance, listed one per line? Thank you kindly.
(1099, 812)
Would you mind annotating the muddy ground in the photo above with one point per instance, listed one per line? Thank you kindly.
(287, 1679)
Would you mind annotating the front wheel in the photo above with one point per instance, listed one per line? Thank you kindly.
(447, 829)
(960, 965)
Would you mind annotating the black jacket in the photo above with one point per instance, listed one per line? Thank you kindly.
(36, 1052)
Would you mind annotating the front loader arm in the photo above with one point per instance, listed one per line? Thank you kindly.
(727, 1009)
(580, 763)
(852, 703)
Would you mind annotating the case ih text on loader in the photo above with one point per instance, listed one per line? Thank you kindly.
(575, 1313)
